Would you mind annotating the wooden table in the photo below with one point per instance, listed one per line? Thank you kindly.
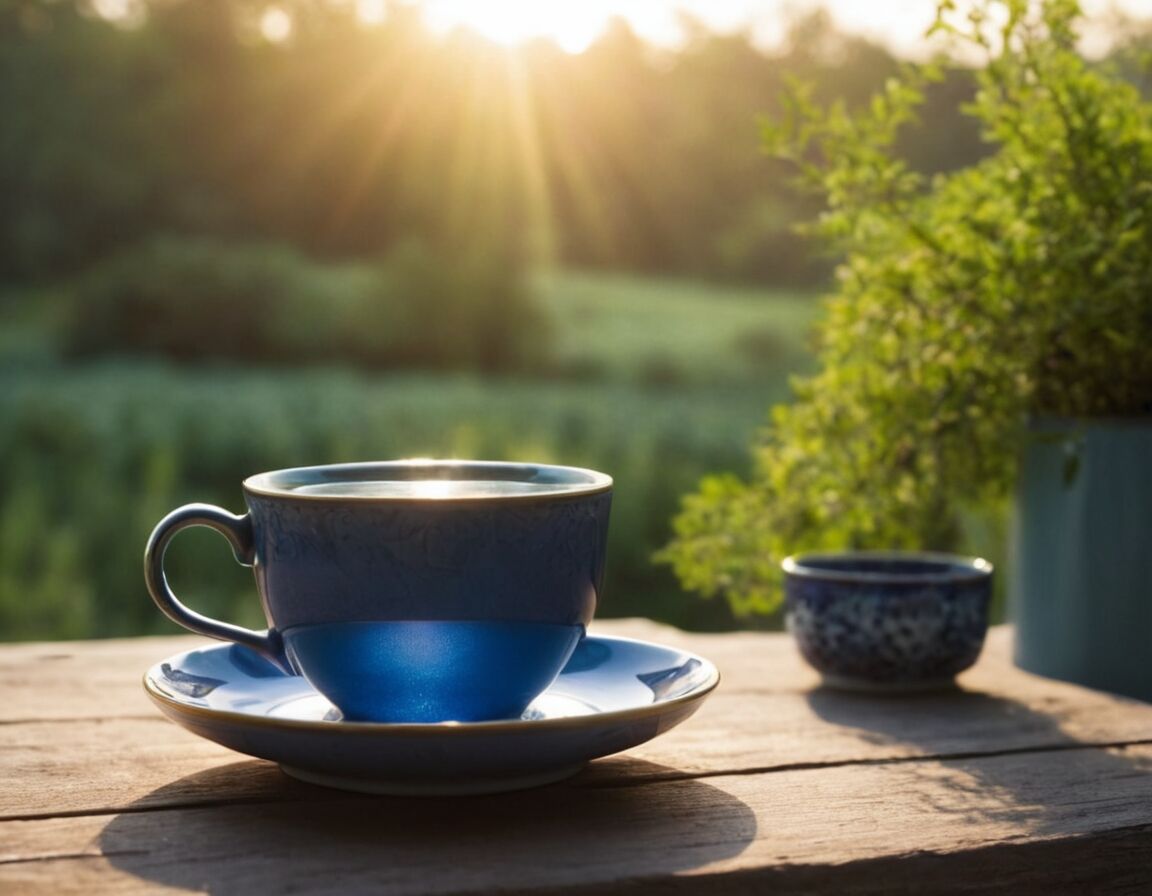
(1012, 784)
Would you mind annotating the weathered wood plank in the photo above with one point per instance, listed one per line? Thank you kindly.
(952, 819)
(774, 783)
(101, 679)
(132, 759)
(81, 679)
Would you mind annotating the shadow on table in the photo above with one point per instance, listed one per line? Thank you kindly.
(284, 834)
(1010, 781)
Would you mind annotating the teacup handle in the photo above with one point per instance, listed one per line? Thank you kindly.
(238, 531)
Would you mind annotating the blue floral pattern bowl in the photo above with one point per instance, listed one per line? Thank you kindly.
(891, 621)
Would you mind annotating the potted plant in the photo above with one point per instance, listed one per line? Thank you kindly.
(989, 333)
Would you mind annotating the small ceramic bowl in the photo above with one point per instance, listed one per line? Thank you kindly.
(888, 621)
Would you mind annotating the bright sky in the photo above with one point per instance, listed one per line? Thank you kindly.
(575, 23)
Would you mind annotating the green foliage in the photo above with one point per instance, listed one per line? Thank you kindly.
(202, 299)
(1019, 285)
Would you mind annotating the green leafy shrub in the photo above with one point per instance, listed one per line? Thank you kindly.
(210, 300)
(967, 303)
(467, 310)
(206, 299)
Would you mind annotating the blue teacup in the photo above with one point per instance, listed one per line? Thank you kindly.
(412, 591)
(872, 620)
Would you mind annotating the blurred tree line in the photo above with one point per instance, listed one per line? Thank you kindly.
(345, 140)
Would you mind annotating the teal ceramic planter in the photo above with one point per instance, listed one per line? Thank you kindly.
(1081, 578)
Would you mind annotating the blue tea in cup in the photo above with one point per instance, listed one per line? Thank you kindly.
(412, 591)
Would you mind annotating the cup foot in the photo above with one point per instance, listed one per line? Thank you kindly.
(443, 787)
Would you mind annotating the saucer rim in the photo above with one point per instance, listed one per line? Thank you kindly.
(442, 729)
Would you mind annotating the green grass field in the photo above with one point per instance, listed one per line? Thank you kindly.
(677, 332)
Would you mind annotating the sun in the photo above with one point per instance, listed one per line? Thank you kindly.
(573, 26)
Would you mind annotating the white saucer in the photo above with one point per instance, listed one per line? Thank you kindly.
(615, 693)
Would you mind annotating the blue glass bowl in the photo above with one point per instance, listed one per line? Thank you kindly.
(888, 620)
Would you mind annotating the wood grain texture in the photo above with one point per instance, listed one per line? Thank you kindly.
(1005, 785)
(585, 833)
